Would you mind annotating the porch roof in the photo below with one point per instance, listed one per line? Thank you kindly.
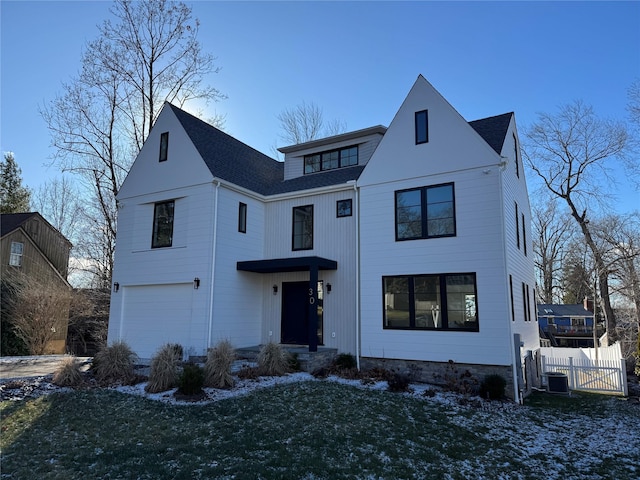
(291, 264)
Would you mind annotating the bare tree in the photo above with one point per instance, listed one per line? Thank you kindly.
(569, 151)
(38, 311)
(148, 55)
(551, 232)
(305, 122)
(58, 200)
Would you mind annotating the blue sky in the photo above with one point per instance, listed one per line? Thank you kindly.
(356, 60)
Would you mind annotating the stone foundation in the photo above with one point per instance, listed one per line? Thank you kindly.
(441, 373)
(309, 361)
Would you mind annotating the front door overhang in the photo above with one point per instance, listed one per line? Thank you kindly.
(297, 264)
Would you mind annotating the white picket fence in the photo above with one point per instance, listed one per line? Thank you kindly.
(604, 374)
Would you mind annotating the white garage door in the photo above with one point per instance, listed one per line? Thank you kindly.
(156, 314)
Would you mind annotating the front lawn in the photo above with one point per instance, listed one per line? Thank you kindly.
(318, 429)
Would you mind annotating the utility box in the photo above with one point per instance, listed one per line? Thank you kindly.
(557, 382)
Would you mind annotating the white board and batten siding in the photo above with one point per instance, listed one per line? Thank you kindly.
(333, 238)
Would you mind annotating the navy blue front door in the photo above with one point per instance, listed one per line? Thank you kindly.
(295, 313)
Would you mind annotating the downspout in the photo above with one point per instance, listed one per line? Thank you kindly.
(214, 234)
(357, 294)
(503, 229)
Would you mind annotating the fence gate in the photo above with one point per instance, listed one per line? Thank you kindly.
(602, 376)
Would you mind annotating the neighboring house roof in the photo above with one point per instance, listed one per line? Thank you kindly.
(560, 310)
(234, 161)
(10, 221)
(493, 129)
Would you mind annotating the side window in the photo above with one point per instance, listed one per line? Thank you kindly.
(515, 155)
(163, 224)
(524, 236)
(302, 228)
(343, 208)
(422, 127)
(517, 227)
(242, 217)
(15, 258)
(164, 146)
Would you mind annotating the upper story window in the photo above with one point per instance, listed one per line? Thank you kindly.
(164, 146)
(515, 155)
(303, 228)
(344, 208)
(242, 217)
(163, 224)
(517, 227)
(425, 212)
(15, 258)
(330, 160)
(431, 302)
(422, 127)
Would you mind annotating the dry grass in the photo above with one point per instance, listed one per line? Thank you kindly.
(114, 364)
(217, 369)
(273, 360)
(163, 374)
(68, 373)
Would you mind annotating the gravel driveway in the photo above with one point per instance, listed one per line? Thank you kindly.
(36, 366)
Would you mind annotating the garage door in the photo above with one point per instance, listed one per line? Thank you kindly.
(156, 314)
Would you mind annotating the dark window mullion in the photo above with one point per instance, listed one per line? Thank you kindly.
(423, 207)
(412, 303)
(444, 309)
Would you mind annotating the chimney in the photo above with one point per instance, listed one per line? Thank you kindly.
(588, 304)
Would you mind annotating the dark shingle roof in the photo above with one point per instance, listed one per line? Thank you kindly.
(493, 129)
(563, 310)
(10, 221)
(231, 160)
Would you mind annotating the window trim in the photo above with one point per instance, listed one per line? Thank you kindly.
(517, 226)
(345, 201)
(154, 232)
(293, 228)
(242, 217)
(515, 152)
(421, 137)
(524, 236)
(444, 311)
(327, 152)
(164, 147)
(513, 311)
(16, 255)
(424, 212)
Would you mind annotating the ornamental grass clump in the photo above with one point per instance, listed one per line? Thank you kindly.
(115, 364)
(217, 368)
(273, 360)
(163, 374)
(68, 373)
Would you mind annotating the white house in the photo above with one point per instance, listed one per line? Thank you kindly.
(408, 245)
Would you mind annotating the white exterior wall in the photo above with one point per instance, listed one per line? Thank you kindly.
(454, 153)
(519, 265)
(333, 238)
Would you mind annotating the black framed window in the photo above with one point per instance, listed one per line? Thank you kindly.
(422, 127)
(331, 159)
(431, 302)
(524, 301)
(515, 154)
(513, 312)
(517, 227)
(524, 236)
(164, 146)
(303, 228)
(163, 224)
(344, 208)
(425, 212)
(242, 217)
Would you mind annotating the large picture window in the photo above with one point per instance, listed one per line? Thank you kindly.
(303, 227)
(330, 160)
(431, 302)
(163, 224)
(425, 212)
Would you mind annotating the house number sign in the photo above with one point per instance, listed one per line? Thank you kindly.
(312, 299)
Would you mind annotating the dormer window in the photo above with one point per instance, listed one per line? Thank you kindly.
(164, 146)
(422, 127)
(331, 159)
